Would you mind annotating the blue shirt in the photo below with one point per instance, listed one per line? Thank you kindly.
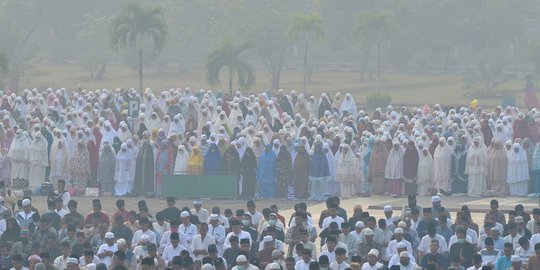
(503, 263)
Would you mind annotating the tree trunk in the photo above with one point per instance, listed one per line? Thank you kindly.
(305, 67)
(140, 70)
(446, 60)
(378, 65)
(230, 81)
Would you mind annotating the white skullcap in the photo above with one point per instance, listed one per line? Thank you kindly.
(435, 199)
(273, 266)
(184, 214)
(72, 261)
(121, 242)
(387, 208)
(144, 238)
(404, 254)
(207, 266)
(214, 217)
(368, 232)
(401, 245)
(518, 219)
(515, 258)
(197, 202)
(398, 230)
(373, 252)
(26, 202)
(241, 258)
(359, 224)
(109, 235)
(268, 238)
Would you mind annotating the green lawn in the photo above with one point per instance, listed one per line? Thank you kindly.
(405, 88)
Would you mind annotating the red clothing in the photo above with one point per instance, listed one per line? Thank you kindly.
(103, 218)
(124, 213)
(94, 156)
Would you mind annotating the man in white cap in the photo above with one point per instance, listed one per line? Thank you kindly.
(391, 250)
(436, 203)
(405, 262)
(188, 229)
(265, 251)
(243, 264)
(217, 231)
(369, 244)
(394, 260)
(144, 230)
(372, 261)
(358, 228)
(24, 217)
(72, 264)
(516, 263)
(199, 211)
(388, 215)
(107, 249)
(273, 266)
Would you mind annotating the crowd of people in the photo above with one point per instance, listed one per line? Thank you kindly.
(278, 146)
(413, 237)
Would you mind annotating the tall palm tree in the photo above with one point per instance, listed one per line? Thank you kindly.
(303, 28)
(375, 28)
(4, 64)
(228, 55)
(134, 24)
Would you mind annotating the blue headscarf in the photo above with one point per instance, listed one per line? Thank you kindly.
(318, 166)
(266, 172)
(212, 160)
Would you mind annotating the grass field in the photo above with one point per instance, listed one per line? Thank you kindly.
(405, 88)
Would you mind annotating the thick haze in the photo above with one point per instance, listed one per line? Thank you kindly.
(421, 36)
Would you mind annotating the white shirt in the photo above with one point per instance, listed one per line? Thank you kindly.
(425, 242)
(169, 252)
(223, 221)
(201, 214)
(454, 239)
(189, 231)
(256, 218)
(62, 212)
(60, 262)
(391, 250)
(395, 259)
(327, 220)
(166, 240)
(490, 258)
(525, 254)
(411, 266)
(366, 266)
(199, 243)
(105, 247)
(514, 240)
(331, 255)
(218, 233)
(535, 238)
(241, 235)
(137, 236)
(301, 265)
(336, 266)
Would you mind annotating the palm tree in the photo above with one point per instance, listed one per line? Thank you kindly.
(227, 55)
(302, 29)
(375, 28)
(134, 24)
(4, 64)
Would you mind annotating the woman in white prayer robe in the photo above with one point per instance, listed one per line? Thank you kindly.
(345, 172)
(348, 105)
(425, 172)
(476, 167)
(38, 160)
(123, 172)
(18, 155)
(177, 126)
(181, 161)
(442, 163)
(517, 174)
(123, 132)
(59, 158)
